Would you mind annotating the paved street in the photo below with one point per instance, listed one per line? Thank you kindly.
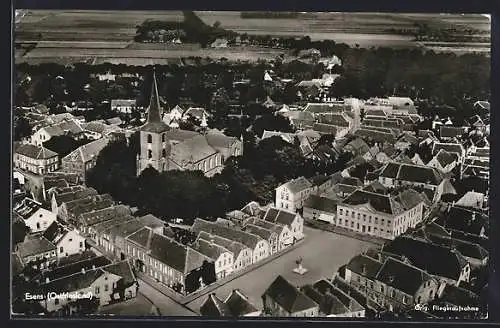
(166, 305)
(139, 306)
(322, 252)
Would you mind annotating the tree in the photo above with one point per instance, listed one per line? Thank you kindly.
(22, 128)
(19, 231)
(271, 122)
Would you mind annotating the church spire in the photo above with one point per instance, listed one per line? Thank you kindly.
(154, 102)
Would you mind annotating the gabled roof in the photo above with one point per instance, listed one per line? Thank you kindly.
(35, 152)
(434, 259)
(458, 296)
(446, 131)
(334, 119)
(328, 304)
(27, 208)
(364, 265)
(321, 203)
(297, 185)
(233, 246)
(191, 151)
(471, 199)
(239, 304)
(74, 195)
(375, 135)
(449, 147)
(412, 173)
(347, 299)
(278, 216)
(219, 140)
(74, 267)
(208, 248)
(325, 128)
(67, 125)
(248, 239)
(259, 231)
(358, 145)
(445, 158)
(402, 276)
(214, 307)
(88, 151)
(380, 203)
(289, 297)
(288, 137)
(34, 245)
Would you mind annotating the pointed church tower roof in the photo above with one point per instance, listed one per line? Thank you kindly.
(154, 122)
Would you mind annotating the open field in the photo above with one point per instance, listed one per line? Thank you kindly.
(323, 253)
(107, 36)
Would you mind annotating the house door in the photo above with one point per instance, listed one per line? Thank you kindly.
(364, 228)
(122, 256)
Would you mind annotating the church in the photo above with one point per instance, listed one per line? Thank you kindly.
(168, 148)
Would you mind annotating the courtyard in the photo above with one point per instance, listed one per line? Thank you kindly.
(323, 253)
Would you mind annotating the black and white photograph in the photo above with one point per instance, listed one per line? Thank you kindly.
(250, 164)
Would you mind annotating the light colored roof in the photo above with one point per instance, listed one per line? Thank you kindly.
(87, 152)
(297, 185)
(471, 199)
(59, 129)
(191, 151)
(123, 102)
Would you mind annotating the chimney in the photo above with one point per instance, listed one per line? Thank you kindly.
(473, 216)
(93, 266)
(47, 280)
(83, 270)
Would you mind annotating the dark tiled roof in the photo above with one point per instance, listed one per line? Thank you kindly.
(459, 296)
(75, 195)
(75, 267)
(434, 259)
(449, 147)
(278, 216)
(364, 265)
(52, 231)
(34, 245)
(328, 304)
(234, 247)
(35, 152)
(238, 304)
(289, 297)
(446, 131)
(375, 135)
(412, 173)
(333, 119)
(444, 158)
(380, 203)
(259, 231)
(325, 108)
(27, 207)
(325, 287)
(325, 128)
(75, 282)
(464, 220)
(321, 203)
(209, 249)
(122, 269)
(376, 187)
(401, 276)
(248, 239)
(214, 307)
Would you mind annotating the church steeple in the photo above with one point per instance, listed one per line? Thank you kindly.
(154, 102)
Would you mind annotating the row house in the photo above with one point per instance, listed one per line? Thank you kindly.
(282, 232)
(34, 216)
(259, 246)
(333, 302)
(395, 284)
(380, 215)
(70, 211)
(86, 221)
(222, 257)
(456, 148)
(35, 159)
(84, 158)
(165, 260)
(444, 263)
(292, 221)
(267, 234)
(242, 255)
(59, 197)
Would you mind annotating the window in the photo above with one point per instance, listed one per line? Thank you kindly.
(163, 153)
(369, 229)
(388, 223)
(71, 239)
(163, 138)
(357, 226)
(38, 225)
(393, 293)
(352, 224)
(150, 154)
(61, 249)
(340, 221)
(106, 287)
(352, 215)
(341, 212)
(404, 299)
(97, 290)
(81, 244)
(381, 288)
(383, 221)
(150, 138)
(56, 301)
(376, 220)
(346, 212)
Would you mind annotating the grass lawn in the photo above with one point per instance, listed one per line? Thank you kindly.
(322, 252)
